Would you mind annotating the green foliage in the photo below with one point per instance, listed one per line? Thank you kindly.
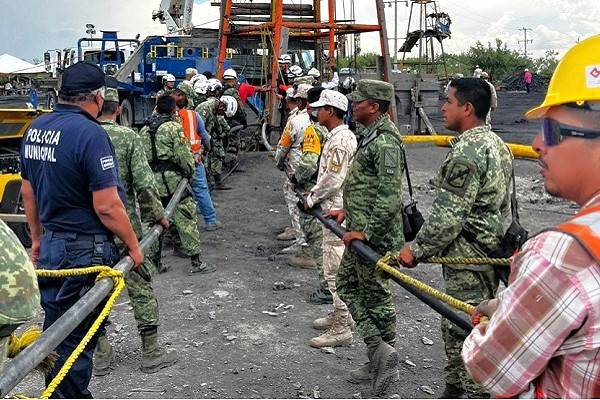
(545, 65)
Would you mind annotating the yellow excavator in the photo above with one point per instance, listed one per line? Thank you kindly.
(13, 125)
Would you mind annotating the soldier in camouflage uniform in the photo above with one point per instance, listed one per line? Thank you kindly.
(168, 85)
(212, 111)
(467, 215)
(336, 159)
(139, 185)
(170, 157)
(19, 293)
(373, 213)
(305, 178)
(231, 89)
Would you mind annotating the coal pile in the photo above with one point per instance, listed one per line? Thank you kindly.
(516, 82)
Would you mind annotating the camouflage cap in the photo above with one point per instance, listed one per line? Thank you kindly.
(308, 80)
(111, 94)
(372, 89)
(187, 89)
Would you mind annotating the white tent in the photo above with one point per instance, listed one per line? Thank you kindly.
(13, 65)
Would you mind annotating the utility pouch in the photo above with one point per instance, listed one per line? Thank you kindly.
(412, 219)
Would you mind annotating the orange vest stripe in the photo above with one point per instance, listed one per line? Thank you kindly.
(189, 120)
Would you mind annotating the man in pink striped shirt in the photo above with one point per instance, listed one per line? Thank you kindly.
(543, 335)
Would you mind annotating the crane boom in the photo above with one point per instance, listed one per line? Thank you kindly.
(176, 14)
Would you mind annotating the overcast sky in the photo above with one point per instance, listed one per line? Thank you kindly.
(29, 27)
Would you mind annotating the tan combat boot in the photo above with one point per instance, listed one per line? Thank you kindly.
(338, 334)
(302, 259)
(154, 357)
(103, 356)
(360, 375)
(324, 323)
(384, 368)
(288, 234)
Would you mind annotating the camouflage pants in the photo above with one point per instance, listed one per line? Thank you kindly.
(233, 142)
(141, 294)
(472, 287)
(292, 203)
(216, 158)
(367, 293)
(185, 219)
(333, 250)
(314, 238)
(3, 351)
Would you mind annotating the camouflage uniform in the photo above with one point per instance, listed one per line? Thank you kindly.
(233, 140)
(306, 176)
(336, 160)
(19, 293)
(373, 205)
(288, 152)
(466, 220)
(172, 147)
(139, 184)
(163, 92)
(217, 128)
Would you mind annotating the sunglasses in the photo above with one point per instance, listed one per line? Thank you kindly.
(553, 132)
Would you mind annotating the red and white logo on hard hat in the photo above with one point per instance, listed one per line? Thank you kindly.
(592, 76)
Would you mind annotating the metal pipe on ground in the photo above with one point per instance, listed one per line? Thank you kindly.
(371, 256)
(17, 369)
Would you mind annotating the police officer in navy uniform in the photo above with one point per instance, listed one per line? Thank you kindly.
(74, 205)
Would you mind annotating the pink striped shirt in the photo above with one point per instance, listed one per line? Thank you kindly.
(547, 325)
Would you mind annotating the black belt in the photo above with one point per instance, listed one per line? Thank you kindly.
(79, 236)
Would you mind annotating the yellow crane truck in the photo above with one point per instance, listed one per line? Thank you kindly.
(13, 125)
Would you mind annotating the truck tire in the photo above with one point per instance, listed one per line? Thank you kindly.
(127, 115)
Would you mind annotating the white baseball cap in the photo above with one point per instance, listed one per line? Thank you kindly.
(331, 98)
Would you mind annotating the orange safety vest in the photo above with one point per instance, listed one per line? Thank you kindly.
(189, 120)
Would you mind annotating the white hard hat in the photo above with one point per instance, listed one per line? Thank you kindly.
(348, 83)
(230, 74)
(285, 59)
(477, 66)
(214, 84)
(289, 93)
(198, 78)
(526, 70)
(331, 98)
(191, 71)
(296, 70)
(231, 105)
(302, 91)
(314, 73)
(201, 86)
(168, 78)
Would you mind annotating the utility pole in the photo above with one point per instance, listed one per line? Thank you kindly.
(525, 40)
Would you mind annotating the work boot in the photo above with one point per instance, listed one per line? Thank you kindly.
(303, 259)
(360, 375)
(179, 253)
(155, 357)
(338, 334)
(288, 234)
(321, 295)
(103, 356)
(219, 184)
(324, 323)
(200, 267)
(294, 247)
(213, 227)
(385, 368)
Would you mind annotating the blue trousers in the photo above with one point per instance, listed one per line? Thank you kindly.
(202, 196)
(64, 250)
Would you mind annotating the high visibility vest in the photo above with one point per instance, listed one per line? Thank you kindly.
(585, 228)
(189, 120)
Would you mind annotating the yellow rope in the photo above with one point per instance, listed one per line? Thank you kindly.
(103, 272)
(19, 342)
(383, 265)
(469, 260)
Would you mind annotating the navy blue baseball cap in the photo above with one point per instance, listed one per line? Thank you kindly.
(83, 77)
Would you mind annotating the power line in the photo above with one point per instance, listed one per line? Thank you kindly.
(525, 40)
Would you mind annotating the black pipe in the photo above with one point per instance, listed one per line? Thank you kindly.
(363, 250)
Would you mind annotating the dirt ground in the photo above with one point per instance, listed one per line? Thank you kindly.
(230, 348)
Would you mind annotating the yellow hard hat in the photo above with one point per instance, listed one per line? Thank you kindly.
(576, 78)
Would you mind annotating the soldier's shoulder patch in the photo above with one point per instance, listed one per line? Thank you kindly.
(310, 141)
(337, 158)
(390, 160)
(458, 176)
